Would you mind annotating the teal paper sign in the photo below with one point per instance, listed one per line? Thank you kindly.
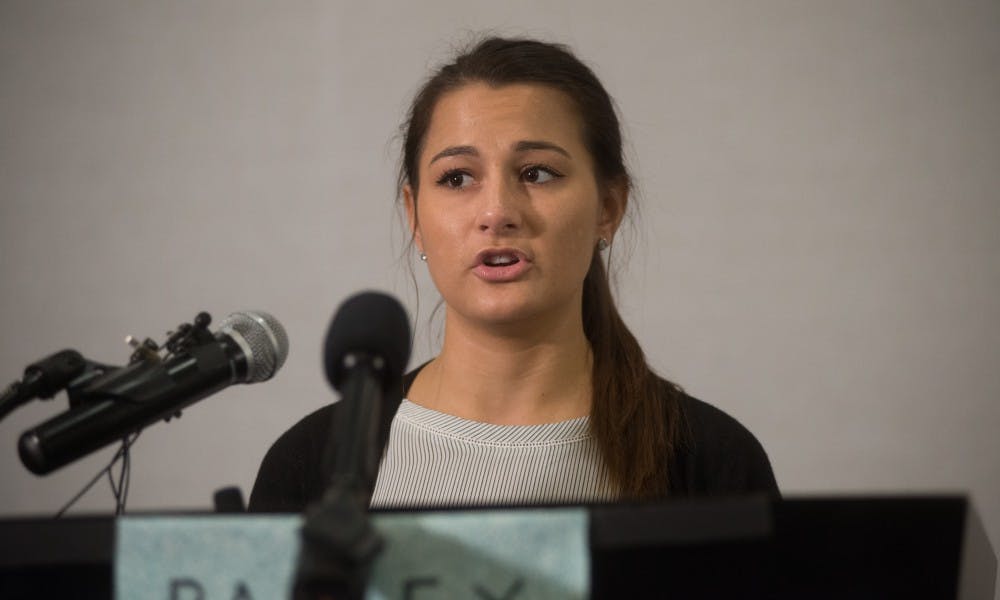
(528, 553)
(205, 557)
(539, 553)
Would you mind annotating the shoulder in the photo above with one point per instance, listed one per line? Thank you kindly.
(308, 434)
(291, 474)
(718, 455)
(291, 467)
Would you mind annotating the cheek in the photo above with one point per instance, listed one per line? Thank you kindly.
(441, 230)
(575, 244)
(579, 226)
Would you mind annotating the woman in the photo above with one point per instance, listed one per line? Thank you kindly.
(514, 185)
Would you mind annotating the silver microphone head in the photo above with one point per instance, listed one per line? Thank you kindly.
(262, 339)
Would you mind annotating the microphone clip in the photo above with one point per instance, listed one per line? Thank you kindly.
(184, 338)
(190, 335)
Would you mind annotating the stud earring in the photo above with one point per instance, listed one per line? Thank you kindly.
(423, 257)
(602, 244)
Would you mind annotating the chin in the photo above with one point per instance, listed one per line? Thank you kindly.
(505, 315)
(510, 312)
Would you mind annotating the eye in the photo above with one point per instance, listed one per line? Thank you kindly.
(455, 179)
(539, 174)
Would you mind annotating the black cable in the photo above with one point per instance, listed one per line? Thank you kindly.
(111, 483)
(126, 475)
(119, 489)
(121, 478)
(123, 465)
(122, 452)
(86, 488)
(128, 479)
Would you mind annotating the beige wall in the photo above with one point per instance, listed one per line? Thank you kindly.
(818, 246)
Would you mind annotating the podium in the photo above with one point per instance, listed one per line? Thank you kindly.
(752, 547)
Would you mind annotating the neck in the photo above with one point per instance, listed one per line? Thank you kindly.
(529, 374)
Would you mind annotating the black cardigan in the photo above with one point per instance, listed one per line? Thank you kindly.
(718, 456)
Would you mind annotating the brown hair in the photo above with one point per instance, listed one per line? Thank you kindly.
(635, 415)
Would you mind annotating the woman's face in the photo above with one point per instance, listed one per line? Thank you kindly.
(508, 209)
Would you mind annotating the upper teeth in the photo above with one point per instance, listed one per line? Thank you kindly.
(502, 259)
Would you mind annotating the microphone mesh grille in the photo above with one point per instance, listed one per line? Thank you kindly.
(265, 338)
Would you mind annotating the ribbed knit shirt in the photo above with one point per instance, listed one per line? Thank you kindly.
(437, 459)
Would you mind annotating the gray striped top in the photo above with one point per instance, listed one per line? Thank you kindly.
(437, 459)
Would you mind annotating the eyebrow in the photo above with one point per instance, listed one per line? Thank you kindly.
(540, 145)
(455, 151)
(522, 146)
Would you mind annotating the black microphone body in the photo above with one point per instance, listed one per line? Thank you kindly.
(128, 399)
(354, 463)
(367, 348)
(250, 347)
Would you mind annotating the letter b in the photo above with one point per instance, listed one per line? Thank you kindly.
(194, 591)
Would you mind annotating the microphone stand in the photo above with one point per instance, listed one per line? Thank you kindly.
(339, 543)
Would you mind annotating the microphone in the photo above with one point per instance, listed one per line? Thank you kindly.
(367, 348)
(249, 347)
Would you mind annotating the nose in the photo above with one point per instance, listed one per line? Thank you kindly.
(500, 211)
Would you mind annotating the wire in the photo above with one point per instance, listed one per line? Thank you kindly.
(120, 491)
(111, 482)
(85, 489)
(121, 494)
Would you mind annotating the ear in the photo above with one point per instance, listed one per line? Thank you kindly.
(613, 204)
(410, 201)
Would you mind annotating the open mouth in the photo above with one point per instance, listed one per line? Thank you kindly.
(500, 260)
(500, 265)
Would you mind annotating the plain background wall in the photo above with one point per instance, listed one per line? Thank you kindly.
(818, 251)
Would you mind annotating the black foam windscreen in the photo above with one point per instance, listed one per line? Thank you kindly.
(372, 323)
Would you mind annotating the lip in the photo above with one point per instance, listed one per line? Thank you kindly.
(501, 274)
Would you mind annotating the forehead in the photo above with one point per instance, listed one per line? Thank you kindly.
(479, 114)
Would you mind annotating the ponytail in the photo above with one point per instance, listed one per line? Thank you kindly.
(635, 415)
